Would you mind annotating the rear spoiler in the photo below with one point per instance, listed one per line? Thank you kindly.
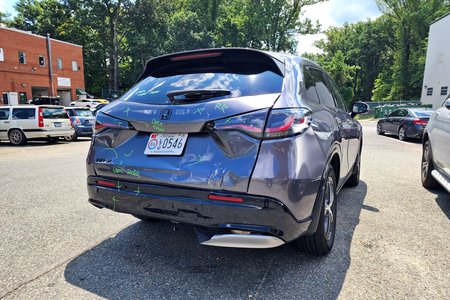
(241, 60)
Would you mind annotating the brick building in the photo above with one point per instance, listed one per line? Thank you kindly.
(25, 71)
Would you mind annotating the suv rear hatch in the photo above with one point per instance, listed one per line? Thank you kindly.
(195, 120)
(54, 118)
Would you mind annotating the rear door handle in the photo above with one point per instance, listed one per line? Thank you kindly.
(6, 122)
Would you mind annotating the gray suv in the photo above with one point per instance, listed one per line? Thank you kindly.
(249, 147)
(436, 149)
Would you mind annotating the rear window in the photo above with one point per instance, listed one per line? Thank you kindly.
(82, 113)
(424, 114)
(153, 90)
(54, 113)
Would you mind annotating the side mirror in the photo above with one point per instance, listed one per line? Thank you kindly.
(359, 108)
(447, 103)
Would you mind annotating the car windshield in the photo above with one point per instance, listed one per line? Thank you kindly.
(154, 90)
(54, 113)
(82, 112)
(424, 113)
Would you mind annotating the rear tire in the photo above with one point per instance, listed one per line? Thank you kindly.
(427, 167)
(71, 138)
(402, 134)
(17, 137)
(321, 242)
(52, 140)
(379, 130)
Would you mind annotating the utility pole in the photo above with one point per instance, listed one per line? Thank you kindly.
(50, 69)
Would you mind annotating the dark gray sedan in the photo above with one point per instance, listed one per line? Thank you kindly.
(405, 123)
(249, 147)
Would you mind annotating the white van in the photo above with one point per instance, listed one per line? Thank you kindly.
(21, 123)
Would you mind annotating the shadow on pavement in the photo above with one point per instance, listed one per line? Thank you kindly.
(443, 201)
(39, 143)
(149, 260)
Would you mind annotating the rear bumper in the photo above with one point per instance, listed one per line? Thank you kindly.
(82, 130)
(257, 214)
(415, 131)
(39, 134)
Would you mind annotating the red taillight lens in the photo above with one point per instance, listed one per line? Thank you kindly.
(77, 120)
(40, 117)
(287, 122)
(103, 122)
(225, 198)
(106, 183)
(420, 122)
(251, 124)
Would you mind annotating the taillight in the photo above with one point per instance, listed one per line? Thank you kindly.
(420, 122)
(103, 121)
(225, 198)
(280, 123)
(287, 122)
(40, 117)
(77, 120)
(251, 124)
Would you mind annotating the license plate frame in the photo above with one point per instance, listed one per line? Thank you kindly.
(57, 124)
(172, 144)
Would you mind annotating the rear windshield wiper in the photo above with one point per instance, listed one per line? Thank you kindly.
(195, 95)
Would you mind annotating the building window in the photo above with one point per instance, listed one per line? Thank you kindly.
(2, 57)
(74, 66)
(59, 63)
(41, 61)
(444, 90)
(429, 91)
(22, 58)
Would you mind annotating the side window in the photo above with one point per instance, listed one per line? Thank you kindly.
(403, 113)
(337, 96)
(325, 96)
(23, 113)
(4, 113)
(395, 113)
(310, 85)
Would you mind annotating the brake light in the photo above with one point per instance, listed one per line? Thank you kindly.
(106, 183)
(420, 122)
(225, 198)
(196, 56)
(287, 122)
(251, 124)
(40, 117)
(103, 121)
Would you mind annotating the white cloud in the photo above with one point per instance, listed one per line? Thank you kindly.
(335, 13)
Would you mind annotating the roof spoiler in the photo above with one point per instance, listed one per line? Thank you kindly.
(189, 60)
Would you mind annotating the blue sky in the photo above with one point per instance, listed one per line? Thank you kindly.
(7, 6)
(335, 13)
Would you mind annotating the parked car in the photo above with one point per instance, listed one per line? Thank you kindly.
(46, 100)
(90, 103)
(405, 123)
(82, 120)
(249, 147)
(436, 149)
(22, 123)
(102, 101)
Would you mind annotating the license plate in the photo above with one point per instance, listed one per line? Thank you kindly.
(166, 144)
(57, 124)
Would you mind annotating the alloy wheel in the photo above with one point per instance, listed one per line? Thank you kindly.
(328, 220)
(15, 137)
(425, 161)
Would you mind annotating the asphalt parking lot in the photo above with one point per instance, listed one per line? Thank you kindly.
(392, 239)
